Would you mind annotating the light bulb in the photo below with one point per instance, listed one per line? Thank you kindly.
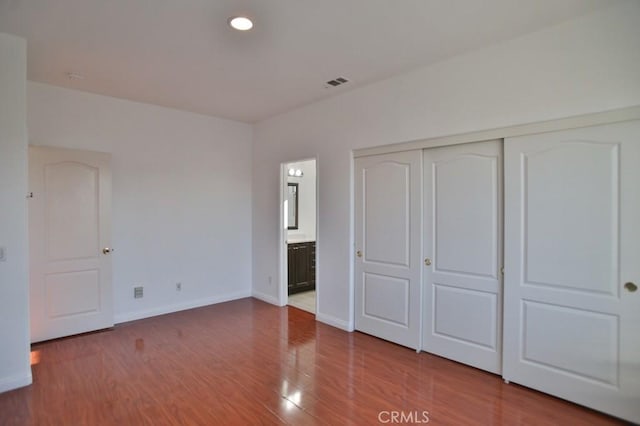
(240, 23)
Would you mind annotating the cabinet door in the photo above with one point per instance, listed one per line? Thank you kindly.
(572, 228)
(301, 267)
(291, 268)
(388, 260)
(463, 242)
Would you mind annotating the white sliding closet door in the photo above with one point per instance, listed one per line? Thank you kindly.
(572, 254)
(388, 260)
(463, 253)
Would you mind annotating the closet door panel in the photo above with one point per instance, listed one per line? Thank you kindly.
(572, 229)
(387, 205)
(462, 241)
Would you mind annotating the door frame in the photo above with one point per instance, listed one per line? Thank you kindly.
(283, 295)
(563, 123)
(560, 124)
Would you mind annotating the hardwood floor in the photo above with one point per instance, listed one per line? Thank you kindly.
(247, 362)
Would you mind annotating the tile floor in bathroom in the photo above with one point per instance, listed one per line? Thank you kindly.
(305, 301)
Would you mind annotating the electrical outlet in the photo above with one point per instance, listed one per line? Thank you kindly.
(178, 286)
(138, 292)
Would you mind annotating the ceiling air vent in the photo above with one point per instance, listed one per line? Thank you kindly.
(336, 82)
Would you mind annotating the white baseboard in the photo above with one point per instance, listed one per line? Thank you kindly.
(132, 316)
(16, 381)
(334, 322)
(266, 298)
(168, 309)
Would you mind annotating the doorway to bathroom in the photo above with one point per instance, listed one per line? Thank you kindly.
(299, 226)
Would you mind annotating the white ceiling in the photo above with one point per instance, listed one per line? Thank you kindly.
(182, 54)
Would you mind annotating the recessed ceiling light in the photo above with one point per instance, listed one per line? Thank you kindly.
(241, 23)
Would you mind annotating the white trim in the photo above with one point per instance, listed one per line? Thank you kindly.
(16, 381)
(351, 313)
(586, 120)
(266, 298)
(317, 242)
(168, 309)
(335, 322)
(283, 276)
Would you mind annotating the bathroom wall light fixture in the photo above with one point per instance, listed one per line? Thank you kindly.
(295, 173)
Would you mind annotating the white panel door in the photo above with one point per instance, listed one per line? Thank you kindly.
(463, 253)
(388, 214)
(69, 238)
(572, 228)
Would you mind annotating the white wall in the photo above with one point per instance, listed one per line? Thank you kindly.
(306, 202)
(590, 64)
(181, 195)
(15, 370)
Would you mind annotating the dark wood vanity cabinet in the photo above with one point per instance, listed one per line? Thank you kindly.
(301, 266)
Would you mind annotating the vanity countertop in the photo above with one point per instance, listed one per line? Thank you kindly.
(300, 240)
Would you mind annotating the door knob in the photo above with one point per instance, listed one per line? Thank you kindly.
(107, 250)
(630, 287)
(359, 253)
(427, 261)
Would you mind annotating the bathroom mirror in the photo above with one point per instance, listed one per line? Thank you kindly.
(292, 206)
